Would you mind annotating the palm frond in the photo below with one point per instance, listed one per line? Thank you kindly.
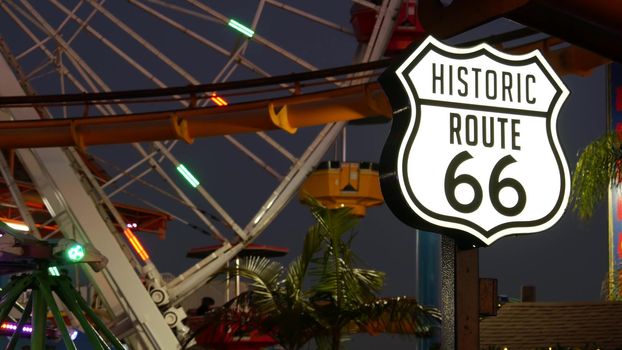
(312, 245)
(265, 276)
(294, 279)
(332, 222)
(323, 273)
(397, 316)
(369, 282)
(597, 168)
(335, 222)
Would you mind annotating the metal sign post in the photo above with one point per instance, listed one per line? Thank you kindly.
(448, 293)
(459, 296)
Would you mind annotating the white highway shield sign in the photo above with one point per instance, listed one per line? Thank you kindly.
(473, 151)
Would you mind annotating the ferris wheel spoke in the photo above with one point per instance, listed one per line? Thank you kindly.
(109, 44)
(138, 178)
(58, 30)
(86, 72)
(367, 4)
(113, 180)
(43, 48)
(132, 179)
(220, 210)
(199, 38)
(310, 16)
(256, 37)
(253, 157)
(184, 10)
(176, 188)
(242, 49)
(234, 57)
(35, 72)
(32, 48)
(211, 229)
(142, 41)
(383, 28)
(239, 52)
(277, 146)
(85, 22)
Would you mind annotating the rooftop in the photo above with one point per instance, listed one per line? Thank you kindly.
(531, 325)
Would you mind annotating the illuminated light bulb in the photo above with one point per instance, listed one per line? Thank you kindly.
(75, 252)
(241, 28)
(218, 100)
(138, 247)
(16, 226)
(13, 327)
(188, 175)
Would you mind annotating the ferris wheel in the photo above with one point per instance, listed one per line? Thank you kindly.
(141, 60)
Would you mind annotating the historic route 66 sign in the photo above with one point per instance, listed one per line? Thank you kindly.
(473, 150)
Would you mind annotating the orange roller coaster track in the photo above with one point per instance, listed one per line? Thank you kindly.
(289, 114)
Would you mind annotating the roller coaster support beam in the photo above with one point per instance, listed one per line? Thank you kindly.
(289, 114)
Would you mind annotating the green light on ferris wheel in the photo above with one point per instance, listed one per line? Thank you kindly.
(75, 252)
(241, 28)
(188, 175)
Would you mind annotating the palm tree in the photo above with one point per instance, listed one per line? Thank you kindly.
(323, 294)
(599, 166)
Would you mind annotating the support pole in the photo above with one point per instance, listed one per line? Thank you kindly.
(467, 298)
(22, 322)
(448, 293)
(99, 324)
(13, 291)
(459, 296)
(45, 290)
(69, 300)
(39, 311)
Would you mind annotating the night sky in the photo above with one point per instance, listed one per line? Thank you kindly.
(565, 263)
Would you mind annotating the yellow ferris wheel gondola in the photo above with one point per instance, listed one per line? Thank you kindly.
(344, 184)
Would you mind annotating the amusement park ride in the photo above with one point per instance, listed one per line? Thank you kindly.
(60, 191)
